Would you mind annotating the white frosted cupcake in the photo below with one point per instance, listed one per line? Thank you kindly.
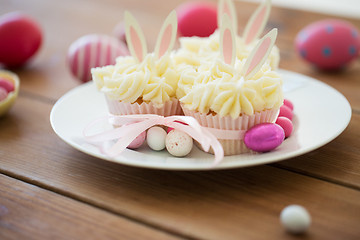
(139, 88)
(229, 102)
(143, 83)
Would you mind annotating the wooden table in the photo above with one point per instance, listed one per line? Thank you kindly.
(48, 190)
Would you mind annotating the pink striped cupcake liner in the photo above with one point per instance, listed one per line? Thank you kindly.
(169, 108)
(244, 122)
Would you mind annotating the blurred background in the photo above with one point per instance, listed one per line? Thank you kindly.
(345, 8)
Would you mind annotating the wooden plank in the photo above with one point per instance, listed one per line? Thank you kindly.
(338, 161)
(29, 212)
(211, 205)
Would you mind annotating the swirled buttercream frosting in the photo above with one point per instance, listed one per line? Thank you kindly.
(152, 80)
(224, 91)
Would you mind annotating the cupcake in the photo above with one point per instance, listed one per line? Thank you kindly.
(143, 83)
(232, 95)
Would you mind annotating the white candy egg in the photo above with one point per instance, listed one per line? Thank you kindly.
(295, 218)
(178, 143)
(156, 138)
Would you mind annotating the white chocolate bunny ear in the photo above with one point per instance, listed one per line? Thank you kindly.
(227, 40)
(257, 22)
(227, 7)
(167, 36)
(259, 55)
(135, 37)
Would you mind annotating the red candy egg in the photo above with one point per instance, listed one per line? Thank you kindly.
(196, 19)
(329, 44)
(20, 38)
(93, 51)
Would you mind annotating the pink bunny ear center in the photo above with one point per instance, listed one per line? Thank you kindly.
(227, 46)
(260, 53)
(166, 40)
(227, 9)
(256, 25)
(136, 44)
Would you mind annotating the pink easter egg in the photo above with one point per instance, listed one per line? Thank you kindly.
(3, 93)
(286, 125)
(20, 38)
(196, 19)
(289, 104)
(92, 51)
(329, 44)
(264, 137)
(138, 141)
(7, 85)
(285, 111)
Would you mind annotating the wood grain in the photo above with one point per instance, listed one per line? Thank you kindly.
(73, 189)
(29, 212)
(188, 203)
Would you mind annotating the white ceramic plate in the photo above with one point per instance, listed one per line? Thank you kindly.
(320, 114)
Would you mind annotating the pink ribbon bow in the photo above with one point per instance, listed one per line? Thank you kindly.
(133, 125)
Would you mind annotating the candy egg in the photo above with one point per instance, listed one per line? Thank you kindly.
(3, 94)
(178, 143)
(329, 44)
(196, 19)
(20, 39)
(156, 138)
(9, 86)
(289, 104)
(285, 111)
(286, 125)
(295, 218)
(264, 137)
(138, 141)
(93, 51)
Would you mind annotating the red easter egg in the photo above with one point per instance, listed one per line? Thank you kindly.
(20, 38)
(329, 44)
(196, 19)
(92, 51)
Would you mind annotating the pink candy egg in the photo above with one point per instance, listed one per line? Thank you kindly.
(7, 85)
(196, 19)
(329, 44)
(3, 94)
(264, 137)
(138, 141)
(178, 143)
(93, 51)
(289, 104)
(286, 125)
(285, 111)
(20, 39)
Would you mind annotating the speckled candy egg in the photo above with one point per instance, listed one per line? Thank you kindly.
(178, 143)
(328, 44)
(93, 51)
(196, 19)
(264, 137)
